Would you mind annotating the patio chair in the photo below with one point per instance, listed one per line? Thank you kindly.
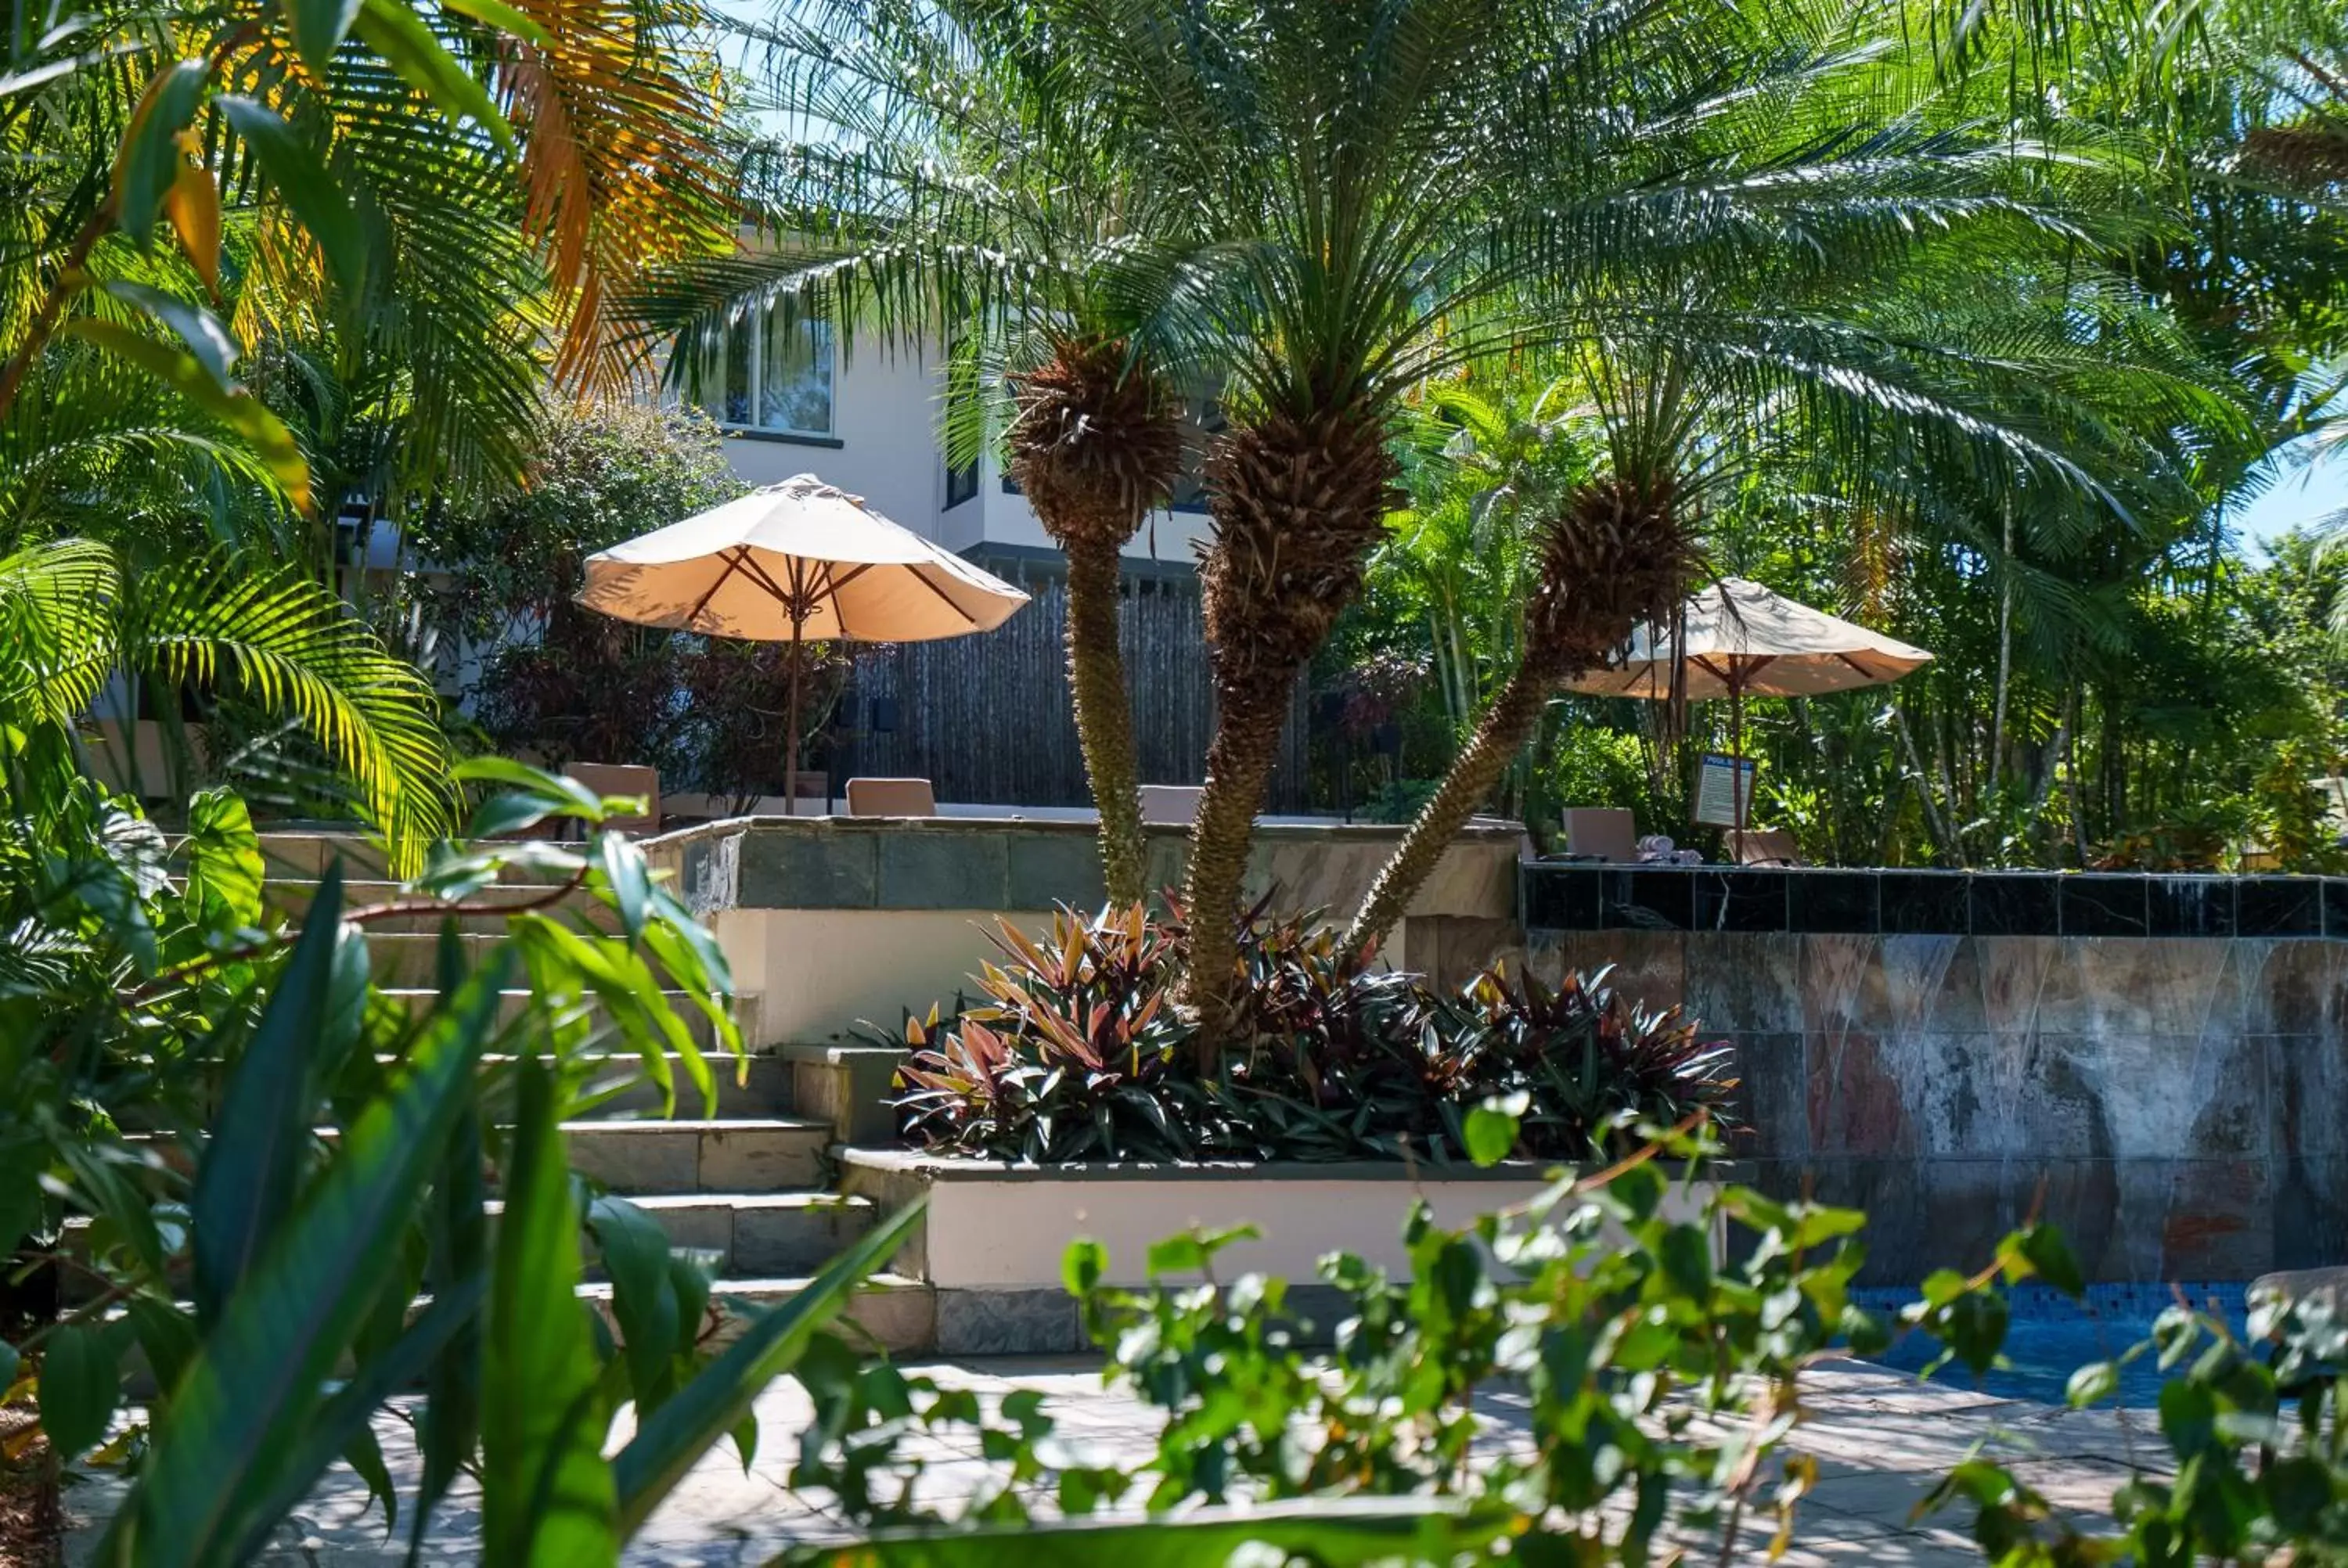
(1764, 846)
(891, 797)
(622, 778)
(1600, 833)
(1176, 804)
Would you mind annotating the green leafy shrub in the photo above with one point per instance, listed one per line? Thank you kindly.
(2256, 1467)
(1076, 1052)
(1651, 1332)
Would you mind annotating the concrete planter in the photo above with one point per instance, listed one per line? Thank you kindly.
(991, 1244)
(839, 923)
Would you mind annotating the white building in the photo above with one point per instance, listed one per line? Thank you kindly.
(869, 421)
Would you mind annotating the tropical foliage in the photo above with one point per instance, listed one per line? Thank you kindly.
(561, 683)
(1731, 262)
(1077, 1052)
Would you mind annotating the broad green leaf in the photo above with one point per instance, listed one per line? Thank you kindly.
(81, 1382)
(401, 37)
(558, 791)
(167, 1337)
(207, 337)
(547, 1497)
(253, 1159)
(301, 179)
(148, 160)
(110, 894)
(221, 1450)
(319, 27)
(239, 410)
(458, 1224)
(637, 1261)
(341, 1427)
(2092, 1384)
(631, 883)
(508, 812)
(1083, 1265)
(672, 1438)
(504, 19)
(1490, 1129)
(630, 993)
(1330, 1532)
(225, 869)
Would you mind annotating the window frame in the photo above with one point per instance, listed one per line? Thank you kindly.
(759, 324)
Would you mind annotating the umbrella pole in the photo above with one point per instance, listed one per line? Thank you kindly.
(1737, 792)
(791, 730)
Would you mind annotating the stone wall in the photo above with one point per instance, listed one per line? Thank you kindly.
(836, 923)
(2174, 1103)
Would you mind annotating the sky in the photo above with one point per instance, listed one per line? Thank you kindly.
(2301, 496)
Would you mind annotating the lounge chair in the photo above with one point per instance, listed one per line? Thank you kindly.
(1763, 847)
(1175, 803)
(891, 797)
(1600, 832)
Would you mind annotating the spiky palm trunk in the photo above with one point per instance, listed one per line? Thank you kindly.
(1614, 556)
(1097, 443)
(1297, 502)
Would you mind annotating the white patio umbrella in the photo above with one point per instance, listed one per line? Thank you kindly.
(1739, 640)
(795, 562)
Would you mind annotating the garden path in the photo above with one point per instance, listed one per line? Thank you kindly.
(1882, 1438)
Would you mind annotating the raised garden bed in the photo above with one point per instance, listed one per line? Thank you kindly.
(991, 1244)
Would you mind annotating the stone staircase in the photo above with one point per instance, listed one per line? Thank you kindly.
(754, 1184)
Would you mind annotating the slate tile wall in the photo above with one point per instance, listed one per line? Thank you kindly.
(2174, 1102)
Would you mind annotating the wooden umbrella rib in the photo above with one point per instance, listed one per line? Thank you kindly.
(968, 619)
(831, 586)
(734, 562)
(783, 596)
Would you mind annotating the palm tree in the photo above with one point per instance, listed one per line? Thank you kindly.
(1385, 191)
(961, 194)
(73, 615)
(251, 285)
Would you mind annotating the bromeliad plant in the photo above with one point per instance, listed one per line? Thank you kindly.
(1077, 1052)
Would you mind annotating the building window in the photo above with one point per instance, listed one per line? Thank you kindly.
(772, 374)
(961, 483)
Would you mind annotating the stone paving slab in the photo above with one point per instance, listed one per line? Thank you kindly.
(1883, 1440)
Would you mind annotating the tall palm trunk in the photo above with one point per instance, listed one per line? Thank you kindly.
(1297, 503)
(1614, 556)
(1097, 443)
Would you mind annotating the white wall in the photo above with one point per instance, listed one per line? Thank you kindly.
(886, 408)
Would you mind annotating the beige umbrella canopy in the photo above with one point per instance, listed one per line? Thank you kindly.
(1742, 641)
(794, 562)
(1739, 640)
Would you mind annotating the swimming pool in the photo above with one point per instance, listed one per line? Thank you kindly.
(2051, 1335)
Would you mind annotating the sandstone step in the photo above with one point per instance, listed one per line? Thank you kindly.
(755, 1087)
(776, 1155)
(409, 959)
(758, 1235)
(891, 1312)
(656, 1156)
(304, 856)
(513, 1003)
(291, 898)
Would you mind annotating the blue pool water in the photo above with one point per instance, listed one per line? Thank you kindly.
(2050, 1336)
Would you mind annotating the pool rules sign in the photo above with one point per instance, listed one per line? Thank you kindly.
(1724, 791)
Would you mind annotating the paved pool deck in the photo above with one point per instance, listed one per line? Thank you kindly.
(1882, 1439)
